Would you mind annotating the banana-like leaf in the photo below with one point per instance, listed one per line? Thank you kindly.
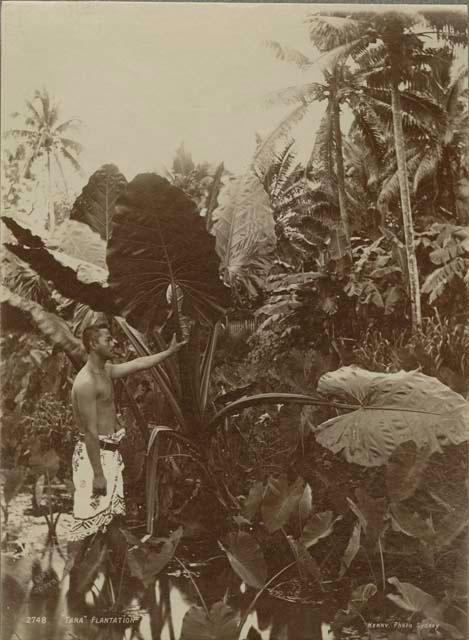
(244, 230)
(95, 205)
(72, 276)
(158, 243)
(392, 408)
(53, 327)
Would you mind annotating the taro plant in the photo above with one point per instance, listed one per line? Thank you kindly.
(163, 271)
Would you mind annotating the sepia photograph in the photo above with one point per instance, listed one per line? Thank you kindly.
(234, 321)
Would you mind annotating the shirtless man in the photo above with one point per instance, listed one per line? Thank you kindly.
(97, 463)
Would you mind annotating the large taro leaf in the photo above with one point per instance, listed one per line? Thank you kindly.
(159, 240)
(220, 624)
(387, 409)
(72, 275)
(95, 205)
(246, 559)
(280, 501)
(146, 565)
(244, 229)
(53, 327)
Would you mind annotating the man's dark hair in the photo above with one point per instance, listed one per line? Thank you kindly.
(92, 333)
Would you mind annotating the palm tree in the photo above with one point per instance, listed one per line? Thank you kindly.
(327, 156)
(45, 137)
(400, 62)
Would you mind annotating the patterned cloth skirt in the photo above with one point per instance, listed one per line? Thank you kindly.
(93, 514)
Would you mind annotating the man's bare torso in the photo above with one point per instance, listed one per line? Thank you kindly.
(105, 405)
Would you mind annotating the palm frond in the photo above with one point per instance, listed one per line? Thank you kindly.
(288, 54)
(73, 161)
(329, 32)
(266, 149)
(71, 144)
(305, 93)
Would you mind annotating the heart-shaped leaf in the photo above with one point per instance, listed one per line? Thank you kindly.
(246, 559)
(374, 511)
(159, 242)
(391, 408)
(306, 563)
(253, 501)
(411, 523)
(280, 501)
(413, 598)
(146, 565)
(318, 526)
(95, 205)
(220, 624)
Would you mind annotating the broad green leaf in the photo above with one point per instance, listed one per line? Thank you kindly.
(53, 327)
(12, 482)
(221, 624)
(146, 565)
(351, 550)
(411, 523)
(243, 225)
(387, 409)
(253, 501)
(305, 505)
(404, 470)
(85, 249)
(280, 501)
(72, 276)
(159, 243)
(95, 205)
(374, 511)
(413, 598)
(318, 526)
(246, 559)
(306, 563)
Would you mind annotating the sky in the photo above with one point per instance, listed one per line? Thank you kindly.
(143, 77)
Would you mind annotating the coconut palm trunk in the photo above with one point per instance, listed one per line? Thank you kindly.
(339, 165)
(399, 145)
(50, 199)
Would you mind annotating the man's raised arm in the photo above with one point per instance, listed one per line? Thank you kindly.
(145, 362)
(88, 414)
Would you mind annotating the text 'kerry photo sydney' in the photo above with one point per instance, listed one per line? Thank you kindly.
(234, 321)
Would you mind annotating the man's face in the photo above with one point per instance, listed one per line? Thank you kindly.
(104, 345)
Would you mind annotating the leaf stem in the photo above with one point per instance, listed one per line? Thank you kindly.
(383, 573)
(194, 585)
(259, 593)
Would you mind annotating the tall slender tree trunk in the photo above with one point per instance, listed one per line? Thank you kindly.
(339, 163)
(414, 287)
(50, 199)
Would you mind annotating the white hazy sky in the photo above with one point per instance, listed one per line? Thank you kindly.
(144, 77)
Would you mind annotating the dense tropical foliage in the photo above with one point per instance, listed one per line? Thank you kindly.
(315, 424)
